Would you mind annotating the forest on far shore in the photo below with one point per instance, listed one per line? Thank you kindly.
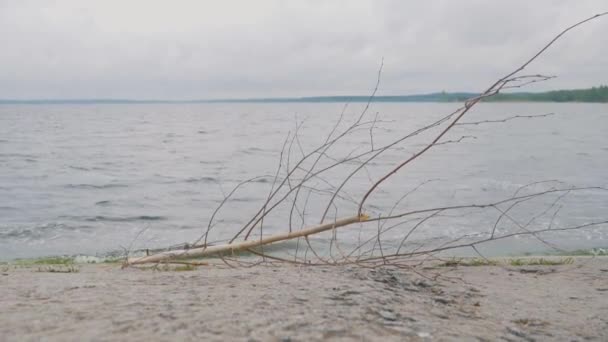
(594, 94)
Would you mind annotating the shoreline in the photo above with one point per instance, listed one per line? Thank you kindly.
(114, 258)
(279, 302)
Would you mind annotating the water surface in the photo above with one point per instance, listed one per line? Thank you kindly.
(88, 178)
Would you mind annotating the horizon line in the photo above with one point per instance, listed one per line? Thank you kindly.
(236, 99)
(441, 96)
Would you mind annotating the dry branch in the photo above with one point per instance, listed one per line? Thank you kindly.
(248, 244)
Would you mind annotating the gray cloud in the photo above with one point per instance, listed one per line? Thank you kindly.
(209, 49)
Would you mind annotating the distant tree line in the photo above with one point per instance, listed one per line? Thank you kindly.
(594, 94)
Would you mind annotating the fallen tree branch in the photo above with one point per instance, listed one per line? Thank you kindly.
(248, 244)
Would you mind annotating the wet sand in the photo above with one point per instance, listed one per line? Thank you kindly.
(289, 303)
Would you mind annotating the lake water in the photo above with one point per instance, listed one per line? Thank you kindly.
(87, 179)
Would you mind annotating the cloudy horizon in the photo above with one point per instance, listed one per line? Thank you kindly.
(184, 50)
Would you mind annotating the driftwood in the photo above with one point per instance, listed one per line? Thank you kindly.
(238, 246)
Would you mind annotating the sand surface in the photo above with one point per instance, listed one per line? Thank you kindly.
(289, 303)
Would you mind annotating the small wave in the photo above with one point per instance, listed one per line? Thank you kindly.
(34, 232)
(211, 162)
(3, 141)
(125, 219)
(92, 186)
(18, 233)
(244, 199)
(19, 155)
(202, 131)
(201, 179)
(103, 203)
(191, 180)
(78, 168)
(255, 150)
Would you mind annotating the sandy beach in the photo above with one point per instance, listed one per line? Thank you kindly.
(289, 303)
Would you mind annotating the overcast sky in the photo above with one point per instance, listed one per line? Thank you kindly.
(225, 49)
